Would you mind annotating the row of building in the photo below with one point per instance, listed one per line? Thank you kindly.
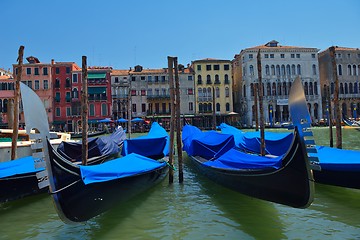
(207, 87)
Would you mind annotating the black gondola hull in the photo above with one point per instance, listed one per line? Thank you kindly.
(348, 179)
(291, 185)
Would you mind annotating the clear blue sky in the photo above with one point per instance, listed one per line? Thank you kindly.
(123, 34)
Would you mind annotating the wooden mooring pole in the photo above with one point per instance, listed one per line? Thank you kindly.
(328, 99)
(178, 124)
(255, 89)
(336, 99)
(172, 119)
(16, 104)
(260, 89)
(84, 112)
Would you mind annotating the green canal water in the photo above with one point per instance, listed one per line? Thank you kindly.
(197, 209)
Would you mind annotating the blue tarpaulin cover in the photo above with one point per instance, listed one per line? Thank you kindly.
(235, 159)
(105, 145)
(155, 143)
(338, 159)
(129, 165)
(275, 143)
(210, 144)
(18, 166)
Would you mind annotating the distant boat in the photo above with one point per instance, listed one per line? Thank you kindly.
(90, 134)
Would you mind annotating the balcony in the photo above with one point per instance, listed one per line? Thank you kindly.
(205, 99)
(158, 97)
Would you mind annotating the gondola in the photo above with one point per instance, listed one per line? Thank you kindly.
(82, 192)
(90, 134)
(286, 179)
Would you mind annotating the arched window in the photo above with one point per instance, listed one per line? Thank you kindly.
(227, 106)
(346, 88)
(209, 94)
(274, 89)
(209, 107)
(349, 70)
(354, 70)
(315, 89)
(217, 92)
(217, 80)
(272, 70)
(251, 68)
(244, 91)
(104, 111)
(208, 79)
(351, 88)
(227, 92)
(277, 70)
(91, 110)
(293, 72)
(283, 70)
(314, 69)
(218, 107)
(299, 69)
(356, 87)
(267, 70)
(340, 69)
(200, 92)
(199, 80)
(226, 79)
(311, 90)
(1, 106)
(284, 88)
(201, 107)
(341, 88)
(279, 89)
(75, 93)
(252, 89)
(268, 89)
(288, 70)
(306, 88)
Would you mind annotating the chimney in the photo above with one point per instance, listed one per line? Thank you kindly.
(52, 61)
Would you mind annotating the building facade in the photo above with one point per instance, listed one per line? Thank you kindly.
(280, 66)
(348, 73)
(213, 90)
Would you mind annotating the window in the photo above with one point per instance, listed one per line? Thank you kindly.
(226, 67)
(92, 110)
(163, 79)
(28, 71)
(292, 55)
(314, 69)
(133, 107)
(218, 107)
(217, 80)
(216, 67)
(57, 112)
(251, 68)
(67, 83)
(266, 55)
(227, 92)
(313, 55)
(208, 67)
(133, 78)
(156, 78)
(251, 56)
(46, 84)
(37, 84)
(57, 97)
(299, 69)
(226, 79)
(271, 55)
(143, 107)
(298, 55)
(191, 106)
(68, 96)
(208, 79)
(57, 70)
(163, 106)
(67, 70)
(349, 70)
(199, 67)
(133, 92)
(104, 111)
(149, 92)
(68, 111)
(45, 71)
(190, 78)
(36, 71)
(75, 93)
(190, 91)
(293, 71)
(227, 107)
(340, 69)
(282, 55)
(75, 78)
(143, 92)
(272, 70)
(217, 92)
(149, 79)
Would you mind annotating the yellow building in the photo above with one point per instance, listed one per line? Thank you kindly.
(213, 90)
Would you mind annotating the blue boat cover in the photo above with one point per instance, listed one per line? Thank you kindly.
(275, 143)
(210, 144)
(338, 159)
(18, 166)
(155, 143)
(130, 165)
(236, 160)
(99, 146)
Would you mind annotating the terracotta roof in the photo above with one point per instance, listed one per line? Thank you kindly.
(346, 48)
(144, 71)
(4, 77)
